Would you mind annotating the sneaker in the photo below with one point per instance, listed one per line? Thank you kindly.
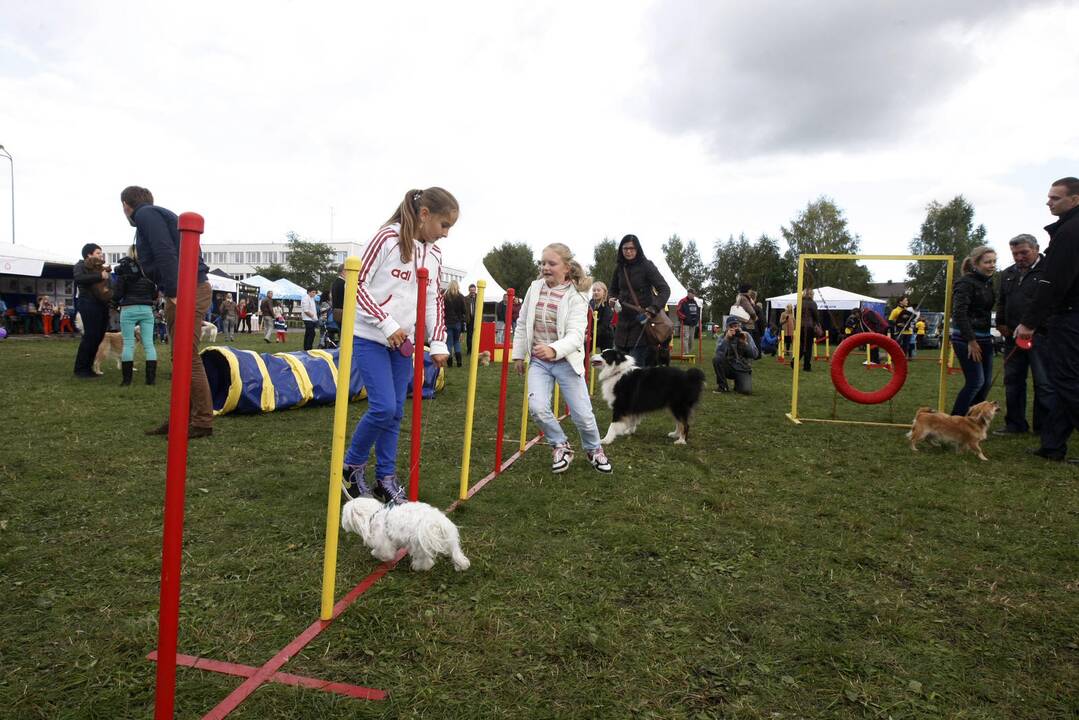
(599, 461)
(563, 455)
(388, 491)
(352, 483)
(720, 389)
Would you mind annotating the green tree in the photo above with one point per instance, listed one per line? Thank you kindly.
(947, 230)
(604, 261)
(512, 265)
(273, 271)
(740, 261)
(822, 229)
(685, 262)
(310, 264)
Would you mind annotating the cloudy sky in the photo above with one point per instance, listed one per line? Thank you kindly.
(548, 121)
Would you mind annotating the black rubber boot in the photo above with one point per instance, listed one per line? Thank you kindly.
(127, 368)
(151, 372)
(458, 356)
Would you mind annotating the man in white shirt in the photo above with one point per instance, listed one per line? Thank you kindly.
(309, 313)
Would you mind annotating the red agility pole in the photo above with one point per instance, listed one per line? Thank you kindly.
(191, 226)
(417, 384)
(507, 348)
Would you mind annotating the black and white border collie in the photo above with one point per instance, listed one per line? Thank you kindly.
(633, 392)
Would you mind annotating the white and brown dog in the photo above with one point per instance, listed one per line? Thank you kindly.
(962, 431)
(424, 530)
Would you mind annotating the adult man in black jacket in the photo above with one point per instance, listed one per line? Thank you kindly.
(94, 312)
(157, 242)
(1017, 285)
(1056, 306)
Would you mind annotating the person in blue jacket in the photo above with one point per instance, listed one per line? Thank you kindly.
(157, 242)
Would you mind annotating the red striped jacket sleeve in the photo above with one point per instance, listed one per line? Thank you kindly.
(374, 253)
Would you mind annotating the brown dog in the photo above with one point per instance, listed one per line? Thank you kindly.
(111, 347)
(485, 358)
(966, 431)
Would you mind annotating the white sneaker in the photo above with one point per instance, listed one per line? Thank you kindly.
(599, 461)
(563, 455)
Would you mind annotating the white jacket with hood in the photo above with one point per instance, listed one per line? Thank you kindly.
(571, 321)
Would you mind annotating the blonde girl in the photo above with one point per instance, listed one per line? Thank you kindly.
(554, 319)
(385, 321)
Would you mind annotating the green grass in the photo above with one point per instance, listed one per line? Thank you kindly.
(765, 570)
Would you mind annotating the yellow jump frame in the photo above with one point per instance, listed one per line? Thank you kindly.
(796, 359)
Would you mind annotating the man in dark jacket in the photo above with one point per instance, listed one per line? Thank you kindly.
(734, 350)
(637, 292)
(470, 311)
(94, 312)
(1017, 285)
(157, 242)
(1055, 305)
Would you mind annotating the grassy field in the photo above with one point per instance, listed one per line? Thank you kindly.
(766, 570)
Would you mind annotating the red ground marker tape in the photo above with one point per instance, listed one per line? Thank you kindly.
(227, 668)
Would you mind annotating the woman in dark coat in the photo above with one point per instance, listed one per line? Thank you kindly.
(810, 320)
(972, 306)
(651, 290)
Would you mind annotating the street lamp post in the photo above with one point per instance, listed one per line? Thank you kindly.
(11, 160)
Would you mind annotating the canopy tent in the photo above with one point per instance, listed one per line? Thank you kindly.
(221, 282)
(28, 261)
(678, 290)
(285, 289)
(263, 284)
(493, 292)
(827, 298)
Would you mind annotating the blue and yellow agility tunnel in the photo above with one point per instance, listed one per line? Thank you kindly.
(249, 382)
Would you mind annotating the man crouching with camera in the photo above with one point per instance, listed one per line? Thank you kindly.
(734, 350)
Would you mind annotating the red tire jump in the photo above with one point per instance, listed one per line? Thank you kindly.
(899, 363)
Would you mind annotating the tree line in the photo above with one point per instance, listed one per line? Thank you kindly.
(821, 228)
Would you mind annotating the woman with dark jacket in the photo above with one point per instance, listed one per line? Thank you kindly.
(810, 321)
(637, 276)
(453, 305)
(972, 305)
(604, 330)
(135, 294)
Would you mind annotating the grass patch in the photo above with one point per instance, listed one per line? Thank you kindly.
(764, 570)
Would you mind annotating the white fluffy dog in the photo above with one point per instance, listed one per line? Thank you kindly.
(424, 530)
(209, 332)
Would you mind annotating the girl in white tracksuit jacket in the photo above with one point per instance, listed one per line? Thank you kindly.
(384, 328)
(551, 330)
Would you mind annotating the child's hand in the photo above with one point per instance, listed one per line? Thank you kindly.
(519, 366)
(440, 360)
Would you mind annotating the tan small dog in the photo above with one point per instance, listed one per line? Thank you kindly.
(208, 332)
(966, 431)
(485, 358)
(111, 347)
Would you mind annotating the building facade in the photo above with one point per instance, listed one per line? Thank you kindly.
(239, 260)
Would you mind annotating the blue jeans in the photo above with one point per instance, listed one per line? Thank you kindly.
(143, 316)
(385, 374)
(977, 374)
(1064, 377)
(542, 375)
(1016, 364)
(453, 338)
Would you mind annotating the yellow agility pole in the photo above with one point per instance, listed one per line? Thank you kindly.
(554, 402)
(943, 382)
(595, 333)
(470, 405)
(524, 410)
(337, 448)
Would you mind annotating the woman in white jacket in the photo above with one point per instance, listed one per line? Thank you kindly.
(551, 330)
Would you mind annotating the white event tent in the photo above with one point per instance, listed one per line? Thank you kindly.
(827, 298)
(285, 289)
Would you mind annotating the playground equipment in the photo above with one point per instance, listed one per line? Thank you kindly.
(837, 371)
(166, 655)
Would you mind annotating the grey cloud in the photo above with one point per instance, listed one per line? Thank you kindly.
(796, 76)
